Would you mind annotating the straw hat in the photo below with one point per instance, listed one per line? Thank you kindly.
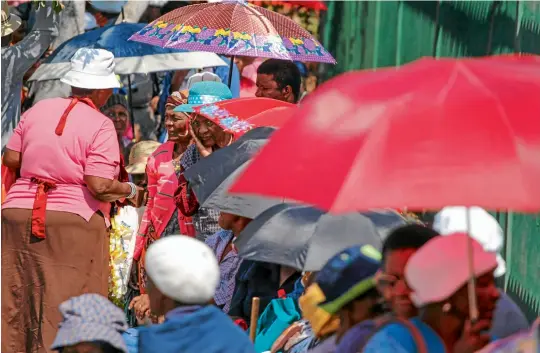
(440, 268)
(484, 228)
(10, 22)
(92, 69)
(183, 268)
(140, 152)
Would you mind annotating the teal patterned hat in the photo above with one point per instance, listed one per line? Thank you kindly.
(204, 92)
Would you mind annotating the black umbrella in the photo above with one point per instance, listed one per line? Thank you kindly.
(303, 237)
(385, 221)
(211, 177)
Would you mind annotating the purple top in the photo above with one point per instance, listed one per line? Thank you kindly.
(228, 267)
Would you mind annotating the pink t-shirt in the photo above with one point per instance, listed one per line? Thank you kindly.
(88, 146)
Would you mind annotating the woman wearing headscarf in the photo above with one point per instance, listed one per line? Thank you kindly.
(437, 274)
(116, 109)
(55, 218)
(207, 137)
(161, 217)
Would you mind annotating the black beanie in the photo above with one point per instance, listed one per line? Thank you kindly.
(114, 100)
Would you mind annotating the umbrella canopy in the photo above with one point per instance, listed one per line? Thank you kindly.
(130, 57)
(429, 134)
(233, 114)
(211, 177)
(386, 221)
(275, 117)
(303, 237)
(234, 28)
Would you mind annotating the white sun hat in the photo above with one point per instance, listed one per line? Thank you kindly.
(10, 22)
(484, 228)
(183, 268)
(439, 268)
(92, 69)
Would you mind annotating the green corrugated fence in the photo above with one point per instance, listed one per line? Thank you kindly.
(372, 34)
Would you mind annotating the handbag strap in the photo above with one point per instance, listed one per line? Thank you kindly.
(413, 330)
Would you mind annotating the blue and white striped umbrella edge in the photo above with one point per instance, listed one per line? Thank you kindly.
(140, 64)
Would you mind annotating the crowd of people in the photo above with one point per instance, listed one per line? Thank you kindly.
(81, 175)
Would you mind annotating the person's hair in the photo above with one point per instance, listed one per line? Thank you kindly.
(372, 293)
(285, 73)
(411, 236)
(105, 347)
(81, 92)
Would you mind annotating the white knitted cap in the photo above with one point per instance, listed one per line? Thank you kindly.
(183, 269)
(439, 268)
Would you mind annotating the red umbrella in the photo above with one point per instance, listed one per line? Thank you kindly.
(232, 115)
(309, 4)
(275, 117)
(430, 134)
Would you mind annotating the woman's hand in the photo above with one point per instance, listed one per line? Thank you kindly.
(141, 305)
(204, 151)
(139, 199)
(473, 337)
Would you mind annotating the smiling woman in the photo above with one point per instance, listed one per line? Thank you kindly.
(116, 109)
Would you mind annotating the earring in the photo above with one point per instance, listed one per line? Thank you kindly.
(446, 308)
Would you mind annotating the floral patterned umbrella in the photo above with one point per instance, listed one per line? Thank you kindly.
(234, 28)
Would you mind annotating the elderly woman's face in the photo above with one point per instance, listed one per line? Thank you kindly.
(206, 131)
(177, 125)
(119, 115)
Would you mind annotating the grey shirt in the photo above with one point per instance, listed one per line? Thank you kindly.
(18, 59)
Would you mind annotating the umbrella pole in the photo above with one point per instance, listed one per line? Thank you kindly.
(255, 304)
(231, 71)
(471, 289)
(130, 98)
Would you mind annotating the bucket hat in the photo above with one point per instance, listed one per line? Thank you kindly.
(204, 92)
(92, 69)
(439, 268)
(484, 228)
(88, 318)
(139, 154)
(10, 22)
(347, 275)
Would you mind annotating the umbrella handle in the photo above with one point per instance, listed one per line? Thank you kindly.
(471, 285)
(231, 71)
(255, 305)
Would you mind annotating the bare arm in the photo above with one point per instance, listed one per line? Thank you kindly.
(30, 49)
(107, 190)
(12, 159)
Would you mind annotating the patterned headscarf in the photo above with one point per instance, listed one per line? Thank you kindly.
(177, 98)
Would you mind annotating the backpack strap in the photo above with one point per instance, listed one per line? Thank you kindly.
(413, 330)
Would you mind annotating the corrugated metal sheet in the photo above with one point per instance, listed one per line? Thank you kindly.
(372, 34)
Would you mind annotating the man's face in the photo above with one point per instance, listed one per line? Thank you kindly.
(268, 88)
(392, 283)
(226, 220)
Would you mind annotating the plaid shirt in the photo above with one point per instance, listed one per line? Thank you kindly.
(228, 267)
(205, 220)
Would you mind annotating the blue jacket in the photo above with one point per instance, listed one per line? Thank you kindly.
(206, 330)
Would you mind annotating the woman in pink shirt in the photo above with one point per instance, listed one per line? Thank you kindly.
(161, 217)
(55, 217)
